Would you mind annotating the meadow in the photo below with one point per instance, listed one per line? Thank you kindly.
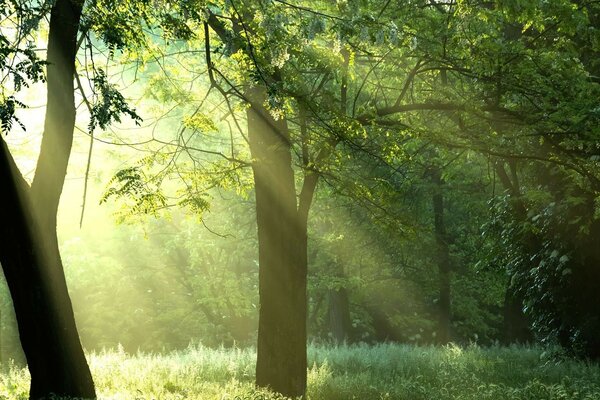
(385, 371)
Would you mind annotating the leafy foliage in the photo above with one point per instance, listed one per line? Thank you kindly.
(109, 104)
(7, 113)
(20, 64)
(131, 185)
(549, 257)
(376, 95)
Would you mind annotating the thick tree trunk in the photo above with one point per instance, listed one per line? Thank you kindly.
(282, 240)
(443, 259)
(1, 341)
(29, 250)
(281, 349)
(53, 351)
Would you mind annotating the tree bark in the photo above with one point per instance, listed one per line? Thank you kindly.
(443, 259)
(29, 250)
(282, 241)
(281, 349)
(340, 324)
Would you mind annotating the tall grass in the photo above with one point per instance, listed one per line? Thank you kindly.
(384, 371)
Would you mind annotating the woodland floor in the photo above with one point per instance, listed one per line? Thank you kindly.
(357, 372)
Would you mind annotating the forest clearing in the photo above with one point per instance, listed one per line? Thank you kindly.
(349, 199)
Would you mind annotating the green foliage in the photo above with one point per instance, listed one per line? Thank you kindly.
(177, 280)
(357, 372)
(118, 23)
(7, 113)
(200, 122)
(108, 104)
(20, 64)
(376, 95)
(131, 185)
(549, 256)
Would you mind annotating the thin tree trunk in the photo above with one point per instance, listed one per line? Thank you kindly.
(443, 259)
(29, 250)
(384, 331)
(340, 324)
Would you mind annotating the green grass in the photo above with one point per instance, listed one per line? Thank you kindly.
(357, 372)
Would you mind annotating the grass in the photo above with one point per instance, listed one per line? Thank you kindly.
(384, 371)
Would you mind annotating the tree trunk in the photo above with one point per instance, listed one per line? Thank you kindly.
(282, 242)
(29, 250)
(339, 315)
(1, 341)
(443, 259)
(383, 329)
(283, 249)
(516, 324)
(53, 352)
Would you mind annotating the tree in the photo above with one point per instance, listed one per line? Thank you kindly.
(448, 76)
(30, 256)
(282, 218)
(442, 255)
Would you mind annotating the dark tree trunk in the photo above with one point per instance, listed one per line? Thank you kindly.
(29, 250)
(1, 341)
(340, 324)
(516, 324)
(383, 329)
(282, 242)
(46, 326)
(443, 259)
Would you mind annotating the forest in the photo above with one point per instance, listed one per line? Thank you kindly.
(285, 199)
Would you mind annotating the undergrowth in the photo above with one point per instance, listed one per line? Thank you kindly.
(384, 371)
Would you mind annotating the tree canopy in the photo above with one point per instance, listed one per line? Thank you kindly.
(279, 171)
